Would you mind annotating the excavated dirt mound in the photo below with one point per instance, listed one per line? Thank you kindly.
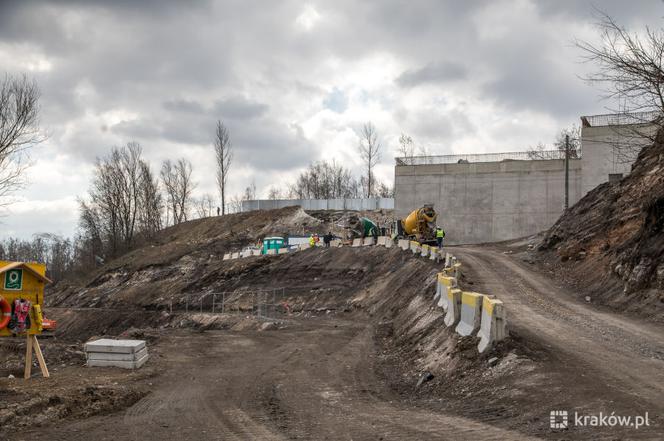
(611, 242)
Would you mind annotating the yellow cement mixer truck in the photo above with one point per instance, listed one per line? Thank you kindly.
(419, 225)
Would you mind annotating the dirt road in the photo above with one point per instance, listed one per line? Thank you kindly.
(624, 354)
(321, 378)
(313, 381)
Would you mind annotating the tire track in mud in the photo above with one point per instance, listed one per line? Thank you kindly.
(614, 347)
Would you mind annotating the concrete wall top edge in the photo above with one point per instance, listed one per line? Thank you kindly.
(488, 167)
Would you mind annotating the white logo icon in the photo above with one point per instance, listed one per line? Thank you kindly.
(559, 419)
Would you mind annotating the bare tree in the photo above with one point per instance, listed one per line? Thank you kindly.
(369, 149)
(406, 147)
(630, 71)
(224, 156)
(123, 204)
(178, 185)
(572, 134)
(274, 193)
(19, 130)
(204, 206)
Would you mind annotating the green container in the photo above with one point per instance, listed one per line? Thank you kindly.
(272, 243)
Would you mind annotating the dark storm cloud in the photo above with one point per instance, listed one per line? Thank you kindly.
(432, 73)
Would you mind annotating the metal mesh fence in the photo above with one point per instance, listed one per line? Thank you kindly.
(261, 303)
(481, 157)
(620, 119)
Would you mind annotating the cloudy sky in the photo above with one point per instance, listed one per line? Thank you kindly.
(294, 81)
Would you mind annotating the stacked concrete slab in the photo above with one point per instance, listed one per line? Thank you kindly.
(126, 354)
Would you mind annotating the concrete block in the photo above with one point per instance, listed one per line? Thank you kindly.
(116, 346)
(389, 243)
(404, 244)
(382, 240)
(456, 268)
(493, 327)
(129, 364)
(415, 247)
(357, 242)
(255, 252)
(227, 256)
(471, 313)
(304, 246)
(434, 253)
(272, 251)
(117, 356)
(368, 241)
(448, 260)
(235, 255)
(445, 283)
(336, 243)
(453, 307)
(245, 253)
(282, 251)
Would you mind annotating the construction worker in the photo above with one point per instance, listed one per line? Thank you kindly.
(312, 241)
(440, 234)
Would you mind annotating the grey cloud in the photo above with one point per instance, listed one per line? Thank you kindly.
(432, 73)
(238, 107)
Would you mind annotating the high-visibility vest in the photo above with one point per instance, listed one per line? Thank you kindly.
(440, 233)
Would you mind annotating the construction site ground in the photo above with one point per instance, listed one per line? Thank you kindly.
(346, 364)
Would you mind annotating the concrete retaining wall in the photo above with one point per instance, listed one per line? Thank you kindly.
(490, 201)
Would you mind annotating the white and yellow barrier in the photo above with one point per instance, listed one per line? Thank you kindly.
(404, 244)
(493, 327)
(415, 247)
(445, 284)
(471, 313)
(425, 249)
(453, 307)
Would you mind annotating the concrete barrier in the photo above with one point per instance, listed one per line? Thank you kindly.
(425, 251)
(415, 247)
(456, 269)
(228, 256)
(493, 327)
(235, 255)
(357, 242)
(382, 240)
(304, 246)
(336, 243)
(245, 253)
(453, 307)
(282, 251)
(433, 253)
(404, 244)
(255, 252)
(471, 313)
(272, 251)
(446, 283)
(389, 243)
(368, 241)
